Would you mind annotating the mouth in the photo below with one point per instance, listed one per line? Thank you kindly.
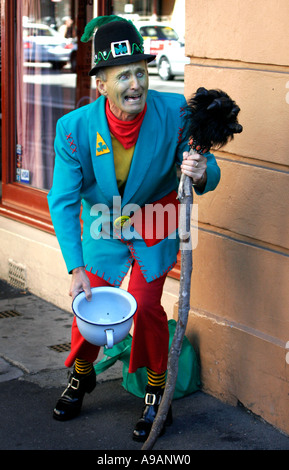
(133, 98)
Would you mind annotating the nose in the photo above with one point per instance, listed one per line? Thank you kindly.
(134, 84)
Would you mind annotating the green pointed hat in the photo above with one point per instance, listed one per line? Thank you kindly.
(116, 42)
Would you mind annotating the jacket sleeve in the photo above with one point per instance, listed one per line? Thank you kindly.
(64, 198)
(213, 174)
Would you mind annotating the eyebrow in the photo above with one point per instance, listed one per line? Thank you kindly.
(123, 72)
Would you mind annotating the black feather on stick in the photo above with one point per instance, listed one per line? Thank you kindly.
(213, 122)
(212, 119)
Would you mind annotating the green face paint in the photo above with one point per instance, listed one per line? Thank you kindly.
(126, 88)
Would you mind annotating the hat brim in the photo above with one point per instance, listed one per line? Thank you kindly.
(122, 60)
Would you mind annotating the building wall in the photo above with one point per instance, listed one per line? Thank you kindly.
(239, 319)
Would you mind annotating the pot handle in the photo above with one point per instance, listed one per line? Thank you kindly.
(109, 338)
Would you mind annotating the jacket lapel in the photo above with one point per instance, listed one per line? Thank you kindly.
(101, 150)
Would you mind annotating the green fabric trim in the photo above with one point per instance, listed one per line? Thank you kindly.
(99, 56)
(188, 378)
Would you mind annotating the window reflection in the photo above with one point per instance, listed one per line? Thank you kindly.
(41, 43)
(46, 86)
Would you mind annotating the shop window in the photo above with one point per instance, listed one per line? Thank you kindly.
(45, 75)
(45, 83)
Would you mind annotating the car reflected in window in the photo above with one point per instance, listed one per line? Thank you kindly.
(41, 43)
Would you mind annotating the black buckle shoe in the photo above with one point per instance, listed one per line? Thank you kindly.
(70, 402)
(152, 401)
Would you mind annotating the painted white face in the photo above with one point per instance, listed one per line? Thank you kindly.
(126, 88)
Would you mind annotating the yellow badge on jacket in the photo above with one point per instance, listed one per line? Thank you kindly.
(101, 146)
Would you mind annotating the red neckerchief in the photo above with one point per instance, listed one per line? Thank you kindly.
(126, 132)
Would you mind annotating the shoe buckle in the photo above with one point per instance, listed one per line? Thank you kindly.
(74, 383)
(150, 399)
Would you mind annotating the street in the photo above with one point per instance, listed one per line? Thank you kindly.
(171, 86)
(43, 74)
(32, 377)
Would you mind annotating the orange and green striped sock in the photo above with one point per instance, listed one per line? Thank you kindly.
(82, 366)
(156, 380)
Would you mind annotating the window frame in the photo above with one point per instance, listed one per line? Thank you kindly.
(21, 203)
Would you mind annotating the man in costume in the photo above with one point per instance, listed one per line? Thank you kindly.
(125, 145)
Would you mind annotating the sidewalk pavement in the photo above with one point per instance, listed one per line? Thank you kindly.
(33, 347)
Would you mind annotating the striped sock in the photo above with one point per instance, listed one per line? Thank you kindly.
(82, 367)
(156, 380)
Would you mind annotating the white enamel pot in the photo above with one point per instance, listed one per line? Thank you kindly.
(106, 319)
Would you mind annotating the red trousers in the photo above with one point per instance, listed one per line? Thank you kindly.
(150, 334)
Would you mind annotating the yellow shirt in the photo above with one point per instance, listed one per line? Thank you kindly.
(122, 162)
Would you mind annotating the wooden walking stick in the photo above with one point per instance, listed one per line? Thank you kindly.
(212, 123)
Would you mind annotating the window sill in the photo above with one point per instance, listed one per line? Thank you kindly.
(26, 205)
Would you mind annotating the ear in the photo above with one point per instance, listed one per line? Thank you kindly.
(101, 86)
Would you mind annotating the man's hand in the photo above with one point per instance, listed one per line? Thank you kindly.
(79, 283)
(195, 166)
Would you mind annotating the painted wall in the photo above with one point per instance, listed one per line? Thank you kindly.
(239, 318)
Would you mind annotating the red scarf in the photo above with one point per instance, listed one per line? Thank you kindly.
(126, 132)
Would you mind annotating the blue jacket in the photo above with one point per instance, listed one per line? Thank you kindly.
(84, 181)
